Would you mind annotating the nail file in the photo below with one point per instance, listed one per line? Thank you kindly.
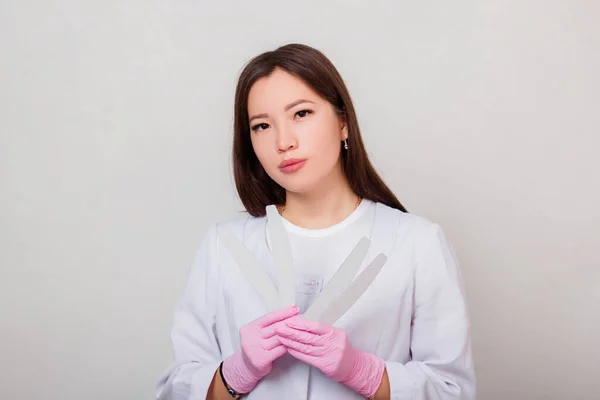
(254, 271)
(340, 280)
(353, 292)
(282, 253)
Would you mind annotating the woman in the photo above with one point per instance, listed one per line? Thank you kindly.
(297, 145)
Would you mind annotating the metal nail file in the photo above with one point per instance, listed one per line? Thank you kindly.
(254, 271)
(353, 292)
(340, 280)
(282, 253)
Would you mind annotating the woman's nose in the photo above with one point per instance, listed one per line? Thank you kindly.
(286, 140)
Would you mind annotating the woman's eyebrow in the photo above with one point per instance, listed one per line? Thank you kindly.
(257, 116)
(295, 103)
(286, 108)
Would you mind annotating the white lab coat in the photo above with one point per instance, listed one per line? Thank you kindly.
(413, 316)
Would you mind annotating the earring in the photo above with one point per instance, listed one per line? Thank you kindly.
(346, 144)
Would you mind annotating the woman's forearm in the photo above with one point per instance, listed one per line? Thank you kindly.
(383, 393)
(216, 390)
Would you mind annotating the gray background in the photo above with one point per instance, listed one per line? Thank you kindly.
(115, 126)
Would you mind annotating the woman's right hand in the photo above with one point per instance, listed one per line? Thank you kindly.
(260, 347)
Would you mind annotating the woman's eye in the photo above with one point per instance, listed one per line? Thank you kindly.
(303, 113)
(259, 127)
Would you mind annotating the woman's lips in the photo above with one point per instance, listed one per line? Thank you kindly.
(289, 166)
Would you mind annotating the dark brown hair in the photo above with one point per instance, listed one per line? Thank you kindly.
(255, 188)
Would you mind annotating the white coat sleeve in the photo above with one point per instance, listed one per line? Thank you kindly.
(197, 354)
(441, 366)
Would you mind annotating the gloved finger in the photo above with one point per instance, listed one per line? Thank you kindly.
(306, 358)
(276, 316)
(298, 335)
(270, 343)
(271, 330)
(315, 327)
(303, 348)
(277, 352)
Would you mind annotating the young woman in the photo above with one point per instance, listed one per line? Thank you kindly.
(297, 145)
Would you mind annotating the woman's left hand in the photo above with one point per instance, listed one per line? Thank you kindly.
(328, 349)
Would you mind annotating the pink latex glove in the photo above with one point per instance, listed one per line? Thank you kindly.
(260, 347)
(328, 349)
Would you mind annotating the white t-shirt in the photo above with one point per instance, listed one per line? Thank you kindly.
(318, 253)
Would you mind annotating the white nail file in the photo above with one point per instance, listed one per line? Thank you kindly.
(353, 292)
(282, 253)
(340, 280)
(254, 271)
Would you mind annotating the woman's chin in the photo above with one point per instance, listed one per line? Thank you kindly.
(300, 186)
(296, 188)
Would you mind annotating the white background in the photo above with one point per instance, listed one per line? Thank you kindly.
(115, 129)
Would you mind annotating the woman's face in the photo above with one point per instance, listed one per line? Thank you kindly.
(290, 123)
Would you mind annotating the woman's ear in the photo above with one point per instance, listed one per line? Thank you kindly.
(343, 128)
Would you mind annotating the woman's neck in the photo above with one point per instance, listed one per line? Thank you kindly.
(320, 208)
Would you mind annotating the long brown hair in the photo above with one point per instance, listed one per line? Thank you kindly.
(255, 188)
